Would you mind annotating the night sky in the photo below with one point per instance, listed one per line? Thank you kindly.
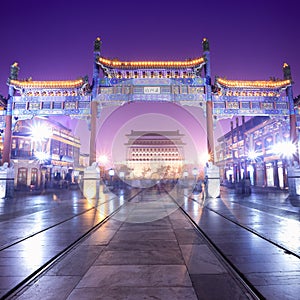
(53, 40)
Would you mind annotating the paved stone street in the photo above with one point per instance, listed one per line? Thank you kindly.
(149, 249)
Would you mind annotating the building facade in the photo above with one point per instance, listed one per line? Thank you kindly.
(155, 155)
(43, 152)
(259, 150)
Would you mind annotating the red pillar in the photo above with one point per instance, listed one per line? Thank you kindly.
(93, 127)
(210, 131)
(7, 139)
(14, 72)
(293, 121)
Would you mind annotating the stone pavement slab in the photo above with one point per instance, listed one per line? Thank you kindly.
(163, 259)
(136, 276)
(134, 293)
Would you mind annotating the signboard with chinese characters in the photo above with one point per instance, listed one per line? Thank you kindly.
(151, 90)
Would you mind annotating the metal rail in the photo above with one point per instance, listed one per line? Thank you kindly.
(46, 266)
(285, 249)
(250, 289)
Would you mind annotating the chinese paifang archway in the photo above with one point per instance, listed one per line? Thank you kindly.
(118, 82)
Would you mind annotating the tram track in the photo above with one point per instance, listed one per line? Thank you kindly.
(251, 290)
(269, 263)
(253, 293)
(44, 268)
(18, 241)
(249, 229)
(49, 263)
(285, 249)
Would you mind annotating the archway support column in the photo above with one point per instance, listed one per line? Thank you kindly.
(94, 103)
(14, 72)
(93, 129)
(210, 131)
(209, 104)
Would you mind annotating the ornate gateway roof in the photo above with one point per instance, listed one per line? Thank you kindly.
(151, 69)
(192, 63)
(114, 68)
(254, 84)
(59, 84)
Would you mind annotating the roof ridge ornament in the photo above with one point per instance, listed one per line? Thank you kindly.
(97, 45)
(287, 71)
(14, 71)
(205, 45)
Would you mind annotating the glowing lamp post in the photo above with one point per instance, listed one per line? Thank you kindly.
(287, 151)
(40, 134)
(122, 175)
(185, 175)
(111, 173)
(252, 155)
(42, 156)
(252, 158)
(103, 160)
(195, 173)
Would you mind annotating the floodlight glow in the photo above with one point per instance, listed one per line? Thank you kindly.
(252, 155)
(285, 149)
(204, 158)
(41, 156)
(40, 132)
(103, 159)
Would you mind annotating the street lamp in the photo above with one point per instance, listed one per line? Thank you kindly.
(185, 175)
(103, 160)
(122, 175)
(111, 173)
(252, 155)
(42, 156)
(286, 151)
(195, 173)
(40, 134)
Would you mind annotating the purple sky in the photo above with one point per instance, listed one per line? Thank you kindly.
(54, 39)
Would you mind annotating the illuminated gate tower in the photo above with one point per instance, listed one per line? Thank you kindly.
(155, 155)
(182, 82)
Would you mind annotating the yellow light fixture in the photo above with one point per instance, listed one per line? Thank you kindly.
(113, 63)
(47, 84)
(254, 84)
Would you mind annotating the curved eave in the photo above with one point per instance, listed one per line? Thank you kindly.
(59, 84)
(107, 63)
(253, 84)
